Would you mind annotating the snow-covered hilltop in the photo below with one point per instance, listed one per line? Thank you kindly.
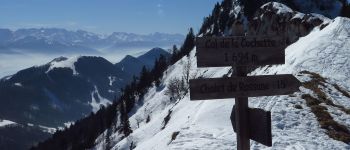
(160, 123)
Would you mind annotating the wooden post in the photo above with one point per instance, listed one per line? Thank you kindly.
(242, 117)
(241, 103)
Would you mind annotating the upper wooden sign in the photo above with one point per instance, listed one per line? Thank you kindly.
(240, 51)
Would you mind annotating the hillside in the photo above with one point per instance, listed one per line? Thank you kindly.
(316, 117)
(297, 123)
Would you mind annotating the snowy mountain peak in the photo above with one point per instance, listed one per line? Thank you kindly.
(63, 62)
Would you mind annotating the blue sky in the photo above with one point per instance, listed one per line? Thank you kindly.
(106, 16)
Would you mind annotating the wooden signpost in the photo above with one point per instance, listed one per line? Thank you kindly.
(240, 52)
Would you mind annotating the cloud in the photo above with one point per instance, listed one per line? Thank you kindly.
(160, 10)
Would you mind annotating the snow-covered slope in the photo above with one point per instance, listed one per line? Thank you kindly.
(206, 124)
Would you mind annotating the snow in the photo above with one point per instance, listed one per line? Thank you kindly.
(97, 100)
(282, 9)
(48, 129)
(68, 124)
(298, 15)
(4, 123)
(206, 124)
(333, 40)
(111, 79)
(18, 84)
(7, 78)
(68, 63)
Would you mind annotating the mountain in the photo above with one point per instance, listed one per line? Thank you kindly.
(59, 89)
(42, 99)
(152, 55)
(127, 40)
(133, 65)
(163, 117)
(52, 95)
(56, 40)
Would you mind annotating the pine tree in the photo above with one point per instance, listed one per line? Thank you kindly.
(124, 118)
(345, 10)
(108, 139)
(226, 6)
(188, 44)
(205, 26)
(216, 11)
(145, 80)
(158, 69)
(174, 55)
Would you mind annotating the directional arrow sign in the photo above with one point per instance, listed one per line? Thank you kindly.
(259, 125)
(240, 51)
(251, 86)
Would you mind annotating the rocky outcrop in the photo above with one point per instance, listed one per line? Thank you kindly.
(272, 18)
(278, 19)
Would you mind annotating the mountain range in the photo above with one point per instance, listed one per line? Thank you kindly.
(57, 40)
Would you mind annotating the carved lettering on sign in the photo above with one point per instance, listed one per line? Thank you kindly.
(239, 51)
(217, 88)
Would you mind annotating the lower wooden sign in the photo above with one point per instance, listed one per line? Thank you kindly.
(259, 125)
(251, 86)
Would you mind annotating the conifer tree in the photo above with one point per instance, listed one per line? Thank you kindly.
(108, 139)
(174, 55)
(188, 44)
(345, 10)
(145, 80)
(124, 118)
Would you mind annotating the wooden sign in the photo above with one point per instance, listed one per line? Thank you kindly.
(259, 125)
(240, 51)
(251, 86)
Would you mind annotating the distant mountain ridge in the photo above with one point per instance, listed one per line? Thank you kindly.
(133, 65)
(61, 86)
(63, 90)
(55, 40)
